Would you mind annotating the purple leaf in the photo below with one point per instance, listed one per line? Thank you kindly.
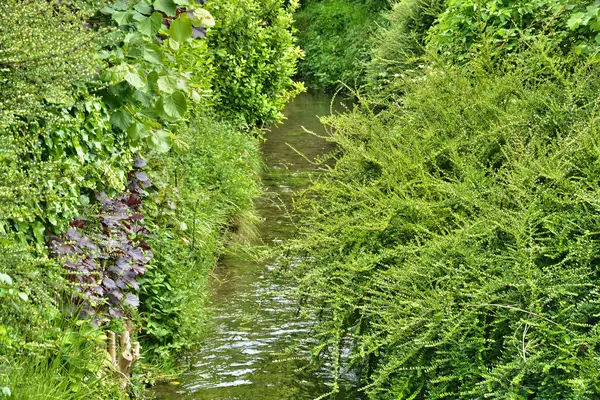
(141, 176)
(136, 254)
(89, 264)
(131, 281)
(137, 217)
(132, 300)
(73, 235)
(98, 290)
(199, 32)
(140, 163)
(87, 242)
(122, 264)
(109, 283)
(115, 313)
(115, 296)
(133, 200)
(63, 249)
(111, 221)
(115, 270)
(77, 223)
(102, 198)
(138, 269)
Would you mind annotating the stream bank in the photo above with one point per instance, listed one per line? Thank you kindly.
(258, 347)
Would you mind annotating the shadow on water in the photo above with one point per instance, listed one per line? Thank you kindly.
(258, 349)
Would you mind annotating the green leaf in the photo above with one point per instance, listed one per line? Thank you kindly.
(121, 120)
(175, 104)
(78, 149)
(6, 279)
(575, 20)
(203, 17)
(167, 84)
(52, 219)
(23, 296)
(153, 81)
(166, 6)
(120, 5)
(181, 29)
(137, 131)
(174, 45)
(143, 8)
(151, 25)
(161, 141)
(118, 73)
(153, 54)
(136, 79)
(84, 200)
(38, 232)
(123, 17)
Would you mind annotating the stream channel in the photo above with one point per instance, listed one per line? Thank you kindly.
(246, 355)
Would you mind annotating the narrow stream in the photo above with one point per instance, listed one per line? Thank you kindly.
(258, 347)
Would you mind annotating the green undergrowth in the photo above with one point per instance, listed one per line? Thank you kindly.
(454, 244)
(128, 161)
(398, 47)
(334, 36)
(207, 195)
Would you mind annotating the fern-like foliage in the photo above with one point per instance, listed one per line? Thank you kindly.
(457, 240)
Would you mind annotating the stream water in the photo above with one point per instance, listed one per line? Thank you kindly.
(258, 348)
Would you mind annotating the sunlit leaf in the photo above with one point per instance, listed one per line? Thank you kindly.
(6, 279)
(151, 25)
(167, 6)
(153, 54)
(181, 29)
(161, 141)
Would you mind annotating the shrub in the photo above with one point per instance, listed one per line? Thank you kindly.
(334, 35)
(71, 132)
(45, 48)
(398, 45)
(499, 27)
(254, 56)
(454, 244)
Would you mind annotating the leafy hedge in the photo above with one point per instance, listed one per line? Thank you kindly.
(203, 192)
(399, 46)
(255, 58)
(452, 250)
(496, 27)
(102, 106)
(455, 242)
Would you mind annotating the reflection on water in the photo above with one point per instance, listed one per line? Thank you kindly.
(258, 347)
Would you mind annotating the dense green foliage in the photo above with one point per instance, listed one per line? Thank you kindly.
(453, 247)
(88, 90)
(455, 239)
(204, 191)
(255, 56)
(497, 27)
(399, 44)
(334, 36)
(34, 68)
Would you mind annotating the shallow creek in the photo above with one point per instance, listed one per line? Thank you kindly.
(257, 349)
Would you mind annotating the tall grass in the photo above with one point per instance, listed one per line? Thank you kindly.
(70, 363)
